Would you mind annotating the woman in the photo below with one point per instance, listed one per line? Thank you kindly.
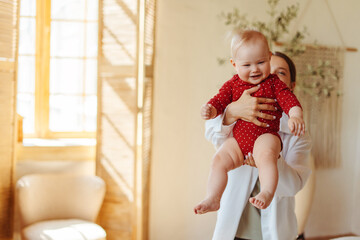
(236, 218)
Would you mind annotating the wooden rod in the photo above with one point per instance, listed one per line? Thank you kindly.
(348, 49)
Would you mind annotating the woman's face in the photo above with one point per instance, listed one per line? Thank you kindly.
(280, 67)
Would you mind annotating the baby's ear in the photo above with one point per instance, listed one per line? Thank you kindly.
(232, 62)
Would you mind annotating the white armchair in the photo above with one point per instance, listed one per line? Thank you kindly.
(60, 207)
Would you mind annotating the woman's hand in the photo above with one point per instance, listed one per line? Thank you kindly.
(249, 160)
(249, 108)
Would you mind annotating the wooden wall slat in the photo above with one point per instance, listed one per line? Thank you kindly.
(118, 110)
(8, 49)
(117, 114)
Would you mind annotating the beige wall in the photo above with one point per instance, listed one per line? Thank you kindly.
(335, 204)
(189, 38)
(356, 183)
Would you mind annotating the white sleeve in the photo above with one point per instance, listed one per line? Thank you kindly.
(216, 132)
(295, 170)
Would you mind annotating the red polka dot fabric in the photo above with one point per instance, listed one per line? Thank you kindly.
(244, 132)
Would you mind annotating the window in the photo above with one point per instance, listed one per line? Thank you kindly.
(57, 80)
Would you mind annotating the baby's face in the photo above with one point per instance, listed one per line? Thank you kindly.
(252, 62)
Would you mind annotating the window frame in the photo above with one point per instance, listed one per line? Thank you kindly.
(42, 76)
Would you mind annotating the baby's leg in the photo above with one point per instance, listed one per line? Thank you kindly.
(228, 157)
(266, 153)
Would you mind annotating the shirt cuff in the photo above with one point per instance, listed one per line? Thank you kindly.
(226, 129)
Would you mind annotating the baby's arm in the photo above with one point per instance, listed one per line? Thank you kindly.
(296, 123)
(208, 111)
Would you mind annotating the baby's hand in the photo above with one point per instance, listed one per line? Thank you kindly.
(208, 111)
(297, 126)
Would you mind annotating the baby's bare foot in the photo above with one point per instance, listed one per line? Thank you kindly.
(262, 200)
(208, 205)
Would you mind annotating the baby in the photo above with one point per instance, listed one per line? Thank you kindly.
(251, 59)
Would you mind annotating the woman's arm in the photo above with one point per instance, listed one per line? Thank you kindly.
(295, 169)
(216, 132)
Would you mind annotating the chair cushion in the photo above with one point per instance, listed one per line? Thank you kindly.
(69, 229)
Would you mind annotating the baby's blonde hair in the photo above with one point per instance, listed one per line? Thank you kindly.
(240, 37)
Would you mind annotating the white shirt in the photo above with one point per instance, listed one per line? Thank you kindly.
(278, 220)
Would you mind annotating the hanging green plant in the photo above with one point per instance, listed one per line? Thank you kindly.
(320, 80)
(276, 29)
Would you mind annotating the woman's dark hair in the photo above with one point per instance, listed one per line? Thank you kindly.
(291, 64)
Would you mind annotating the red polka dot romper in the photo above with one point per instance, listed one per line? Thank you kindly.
(244, 132)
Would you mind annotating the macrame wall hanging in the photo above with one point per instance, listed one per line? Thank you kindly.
(319, 88)
(320, 93)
